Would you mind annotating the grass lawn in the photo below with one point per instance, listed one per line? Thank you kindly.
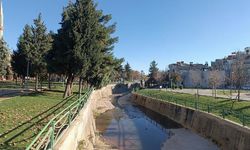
(22, 117)
(233, 110)
(12, 85)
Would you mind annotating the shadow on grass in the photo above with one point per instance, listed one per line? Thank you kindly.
(30, 124)
(243, 108)
(58, 91)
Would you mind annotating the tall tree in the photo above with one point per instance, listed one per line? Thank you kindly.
(83, 45)
(41, 44)
(21, 57)
(153, 70)
(128, 72)
(239, 73)
(4, 58)
(215, 81)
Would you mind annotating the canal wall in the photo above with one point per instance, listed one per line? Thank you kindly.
(82, 130)
(227, 135)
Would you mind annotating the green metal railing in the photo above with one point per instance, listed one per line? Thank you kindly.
(224, 112)
(55, 128)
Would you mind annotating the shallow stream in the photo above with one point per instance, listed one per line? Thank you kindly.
(131, 127)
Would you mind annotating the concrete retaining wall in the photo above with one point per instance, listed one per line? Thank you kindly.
(228, 135)
(83, 128)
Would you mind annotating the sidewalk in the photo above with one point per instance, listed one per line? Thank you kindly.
(208, 92)
(8, 93)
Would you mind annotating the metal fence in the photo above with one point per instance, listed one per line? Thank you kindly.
(224, 112)
(55, 128)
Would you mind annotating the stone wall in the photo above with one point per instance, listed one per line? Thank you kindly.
(83, 127)
(227, 135)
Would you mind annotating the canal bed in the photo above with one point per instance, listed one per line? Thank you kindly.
(129, 126)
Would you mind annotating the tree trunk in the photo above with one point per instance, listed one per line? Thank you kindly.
(238, 94)
(80, 87)
(49, 82)
(41, 87)
(68, 88)
(23, 82)
(71, 85)
(36, 84)
(215, 92)
(231, 93)
(197, 93)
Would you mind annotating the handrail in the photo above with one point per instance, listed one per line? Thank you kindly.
(221, 111)
(52, 131)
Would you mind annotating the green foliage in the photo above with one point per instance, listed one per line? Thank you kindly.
(41, 44)
(153, 70)
(32, 47)
(127, 72)
(83, 46)
(4, 57)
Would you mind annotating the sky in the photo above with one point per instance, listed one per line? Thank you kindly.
(166, 31)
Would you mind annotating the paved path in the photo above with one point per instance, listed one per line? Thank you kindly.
(208, 92)
(8, 93)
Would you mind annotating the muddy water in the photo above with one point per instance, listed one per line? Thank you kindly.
(132, 127)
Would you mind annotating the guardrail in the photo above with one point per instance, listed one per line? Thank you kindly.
(221, 111)
(55, 128)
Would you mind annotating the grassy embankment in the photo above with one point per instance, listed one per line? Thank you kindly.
(235, 111)
(22, 117)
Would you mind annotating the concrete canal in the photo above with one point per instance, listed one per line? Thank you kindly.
(129, 126)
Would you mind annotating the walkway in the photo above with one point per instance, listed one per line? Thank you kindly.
(208, 92)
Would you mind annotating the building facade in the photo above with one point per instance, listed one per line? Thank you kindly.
(196, 75)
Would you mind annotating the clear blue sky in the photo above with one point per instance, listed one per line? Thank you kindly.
(163, 30)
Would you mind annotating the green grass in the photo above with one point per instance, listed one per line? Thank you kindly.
(233, 110)
(22, 117)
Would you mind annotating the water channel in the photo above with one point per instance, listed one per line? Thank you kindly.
(131, 127)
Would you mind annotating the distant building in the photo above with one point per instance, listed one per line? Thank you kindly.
(227, 63)
(194, 75)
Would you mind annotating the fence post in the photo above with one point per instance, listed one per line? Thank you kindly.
(185, 103)
(243, 119)
(195, 105)
(52, 136)
(208, 108)
(69, 116)
(223, 113)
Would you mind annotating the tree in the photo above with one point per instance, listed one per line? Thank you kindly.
(4, 58)
(135, 75)
(83, 46)
(175, 78)
(21, 57)
(239, 73)
(153, 70)
(215, 81)
(41, 44)
(196, 79)
(33, 46)
(128, 72)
